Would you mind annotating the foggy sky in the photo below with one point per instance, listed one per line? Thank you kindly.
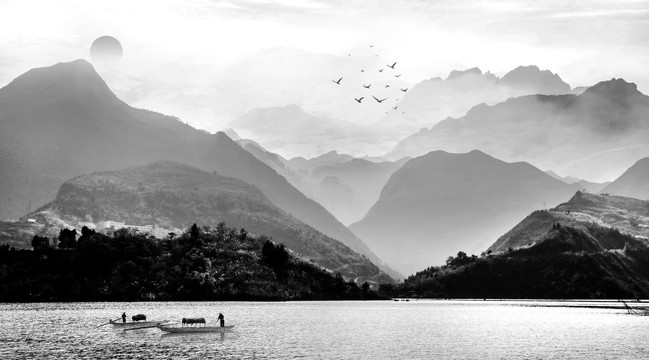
(583, 41)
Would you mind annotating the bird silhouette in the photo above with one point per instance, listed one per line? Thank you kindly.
(397, 75)
(371, 46)
(404, 90)
(395, 107)
(380, 70)
(362, 70)
(336, 82)
(379, 101)
(359, 100)
(367, 86)
(387, 86)
(392, 66)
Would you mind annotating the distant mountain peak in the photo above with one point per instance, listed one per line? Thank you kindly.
(458, 73)
(531, 76)
(76, 78)
(613, 88)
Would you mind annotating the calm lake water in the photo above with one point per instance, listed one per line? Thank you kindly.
(418, 329)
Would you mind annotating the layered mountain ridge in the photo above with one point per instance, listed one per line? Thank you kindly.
(75, 125)
(595, 135)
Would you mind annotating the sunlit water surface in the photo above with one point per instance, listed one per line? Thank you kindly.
(417, 329)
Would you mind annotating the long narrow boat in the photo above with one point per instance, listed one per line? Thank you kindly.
(194, 329)
(137, 323)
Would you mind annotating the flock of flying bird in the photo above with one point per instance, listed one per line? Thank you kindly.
(380, 101)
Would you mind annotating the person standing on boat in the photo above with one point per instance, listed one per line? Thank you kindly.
(221, 319)
(123, 317)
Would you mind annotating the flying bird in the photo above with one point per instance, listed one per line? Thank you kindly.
(397, 75)
(362, 70)
(337, 82)
(404, 90)
(379, 101)
(359, 100)
(395, 107)
(387, 86)
(380, 70)
(367, 86)
(392, 66)
(371, 46)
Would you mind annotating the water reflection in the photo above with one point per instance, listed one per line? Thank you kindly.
(369, 330)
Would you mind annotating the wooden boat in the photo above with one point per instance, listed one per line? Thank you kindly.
(130, 324)
(194, 329)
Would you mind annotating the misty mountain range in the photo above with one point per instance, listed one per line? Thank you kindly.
(459, 185)
(595, 135)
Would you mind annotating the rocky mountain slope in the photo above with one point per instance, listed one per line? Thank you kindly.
(593, 246)
(628, 215)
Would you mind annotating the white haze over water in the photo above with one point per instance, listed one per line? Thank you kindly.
(203, 60)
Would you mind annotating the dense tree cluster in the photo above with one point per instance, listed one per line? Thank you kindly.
(591, 262)
(205, 263)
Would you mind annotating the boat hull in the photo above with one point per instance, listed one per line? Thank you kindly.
(136, 323)
(194, 329)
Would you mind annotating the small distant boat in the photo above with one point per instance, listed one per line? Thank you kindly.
(194, 329)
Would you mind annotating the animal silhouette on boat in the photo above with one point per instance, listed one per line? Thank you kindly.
(193, 321)
(138, 317)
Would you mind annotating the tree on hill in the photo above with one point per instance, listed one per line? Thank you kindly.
(218, 264)
(40, 242)
(68, 239)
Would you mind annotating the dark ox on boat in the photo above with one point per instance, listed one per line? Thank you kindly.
(193, 321)
(139, 317)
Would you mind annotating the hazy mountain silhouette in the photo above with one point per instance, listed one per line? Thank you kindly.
(346, 186)
(174, 196)
(349, 189)
(307, 166)
(582, 184)
(290, 129)
(435, 99)
(62, 121)
(633, 183)
(532, 80)
(440, 203)
(593, 136)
